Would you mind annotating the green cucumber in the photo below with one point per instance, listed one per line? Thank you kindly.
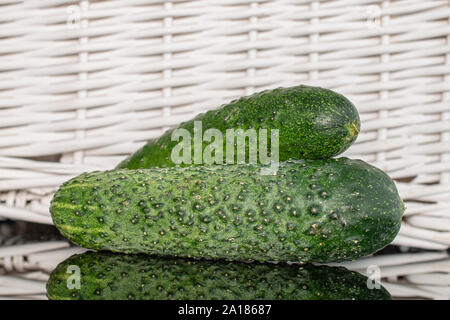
(122, 277)
(313, 123)
(310, 210)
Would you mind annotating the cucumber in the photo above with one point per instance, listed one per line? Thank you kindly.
(311, 210)
(122, 277)
(313, 123)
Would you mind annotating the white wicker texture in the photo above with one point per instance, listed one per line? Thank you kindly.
(84, 83)
(24, 271)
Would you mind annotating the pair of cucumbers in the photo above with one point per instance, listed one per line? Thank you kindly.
(314, 208)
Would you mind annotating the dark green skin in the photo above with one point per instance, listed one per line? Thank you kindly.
(313, 123)
(312, 210)
(106, 276)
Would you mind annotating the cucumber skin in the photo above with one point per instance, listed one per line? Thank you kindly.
(109, 276)
(311, 211)
(313, 123)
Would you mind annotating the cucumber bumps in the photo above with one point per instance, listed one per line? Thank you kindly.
(313, 123)
(311, 210)
(137, 277)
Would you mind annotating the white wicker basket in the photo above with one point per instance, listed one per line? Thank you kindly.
(85, 83)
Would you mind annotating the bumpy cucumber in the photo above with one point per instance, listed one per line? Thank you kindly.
(311, 210)
(313, 123)
(138, 277)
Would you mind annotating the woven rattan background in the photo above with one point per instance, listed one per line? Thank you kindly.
(84, 83)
